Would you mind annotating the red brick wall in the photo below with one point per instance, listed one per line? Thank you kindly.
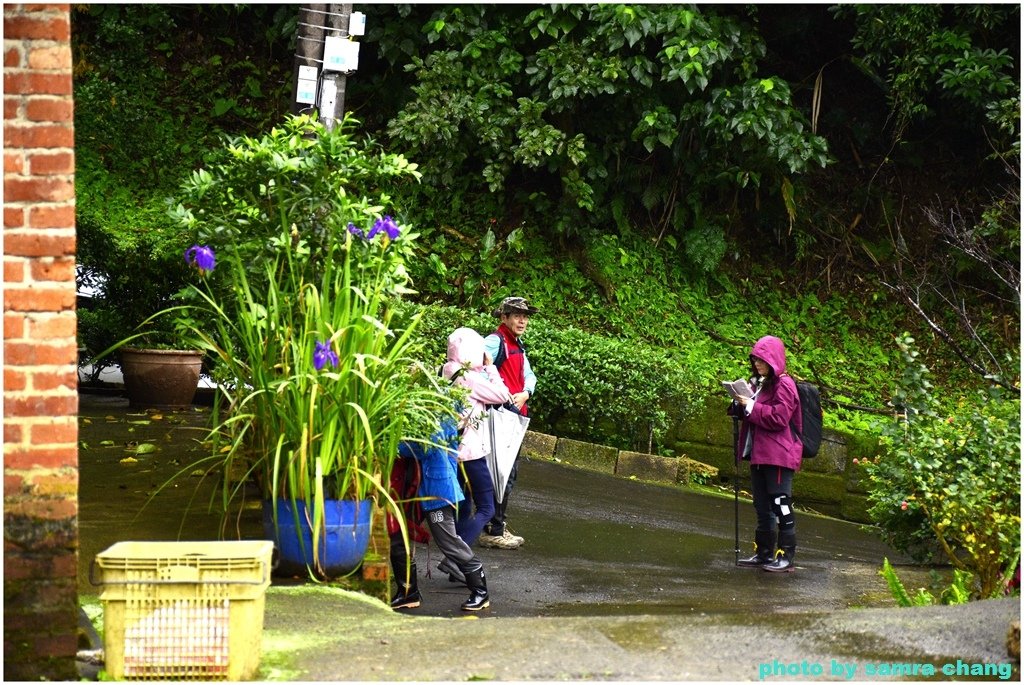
(40, 353)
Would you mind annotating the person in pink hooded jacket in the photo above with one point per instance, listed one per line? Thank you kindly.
(767, 439)
(469, 366)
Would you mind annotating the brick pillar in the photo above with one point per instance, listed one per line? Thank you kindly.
(40, 352)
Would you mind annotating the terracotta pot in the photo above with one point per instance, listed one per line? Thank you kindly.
(160, 378)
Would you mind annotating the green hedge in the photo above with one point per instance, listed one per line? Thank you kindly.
(592, 388)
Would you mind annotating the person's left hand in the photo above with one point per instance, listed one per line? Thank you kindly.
(519, 399)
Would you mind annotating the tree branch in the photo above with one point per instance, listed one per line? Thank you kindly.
(915, 304)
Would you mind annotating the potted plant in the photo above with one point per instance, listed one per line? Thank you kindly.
(162, 364)
(160, 368)
(163, 378)
(316, 374)
(130, 266)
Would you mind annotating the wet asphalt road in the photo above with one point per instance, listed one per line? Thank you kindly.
(595, 544)
(600, 545)
(618, 580)
(622, 581)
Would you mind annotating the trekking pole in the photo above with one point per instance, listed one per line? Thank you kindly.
(736, 481)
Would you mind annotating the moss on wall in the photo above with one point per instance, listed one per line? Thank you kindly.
(819, 488)
(646, 467)
(587, 455)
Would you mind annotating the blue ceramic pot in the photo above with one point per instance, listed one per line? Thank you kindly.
(343, 543)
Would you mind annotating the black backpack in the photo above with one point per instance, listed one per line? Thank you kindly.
(810, 409)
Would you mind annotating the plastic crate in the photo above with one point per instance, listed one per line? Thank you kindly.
(183, 610)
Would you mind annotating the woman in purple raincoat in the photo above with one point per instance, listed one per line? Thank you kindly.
(767, 440)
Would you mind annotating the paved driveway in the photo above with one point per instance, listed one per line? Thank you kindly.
(601, 545)
(618, 580)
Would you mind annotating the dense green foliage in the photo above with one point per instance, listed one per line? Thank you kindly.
(155, 86)
(943, 190)
(954, 52)
(948, 483)
(578, 118)
(649, 175)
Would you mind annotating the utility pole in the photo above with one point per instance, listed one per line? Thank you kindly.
(309, 50)
(324, 55)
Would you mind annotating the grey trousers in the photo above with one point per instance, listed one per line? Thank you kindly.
(442, 529)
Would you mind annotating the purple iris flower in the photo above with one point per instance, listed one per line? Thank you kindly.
(386, 225)
(355, 230)
(323, 354)
(202, 257)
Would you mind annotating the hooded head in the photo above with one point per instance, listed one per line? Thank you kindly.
(770, 350)
(465, 348)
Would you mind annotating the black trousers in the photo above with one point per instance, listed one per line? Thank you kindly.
(772, 488)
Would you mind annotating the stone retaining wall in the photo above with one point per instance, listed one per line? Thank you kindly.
(828, 483)
(646, 467)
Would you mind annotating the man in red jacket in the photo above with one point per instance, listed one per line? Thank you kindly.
(506, 348)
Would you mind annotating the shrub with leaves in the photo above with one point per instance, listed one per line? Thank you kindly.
(947, 485)
(588, 116)
(590, 387)
(300, 275)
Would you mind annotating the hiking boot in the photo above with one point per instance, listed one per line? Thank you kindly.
(407, 596)
(764, 541)
(504, 541)
(478, 597)
(783, 562)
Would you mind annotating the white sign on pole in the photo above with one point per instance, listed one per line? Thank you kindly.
(305, 89)
(356, 24)
(340, 54)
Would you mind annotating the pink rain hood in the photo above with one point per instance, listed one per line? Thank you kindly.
(466, 351)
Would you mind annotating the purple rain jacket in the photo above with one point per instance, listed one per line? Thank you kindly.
(772, 440)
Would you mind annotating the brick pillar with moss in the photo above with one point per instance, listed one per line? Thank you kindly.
(40, 351)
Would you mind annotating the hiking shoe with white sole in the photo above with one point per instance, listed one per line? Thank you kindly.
(504, 541)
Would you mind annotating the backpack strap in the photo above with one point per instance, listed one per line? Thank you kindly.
(792, 426)
(502, 353)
